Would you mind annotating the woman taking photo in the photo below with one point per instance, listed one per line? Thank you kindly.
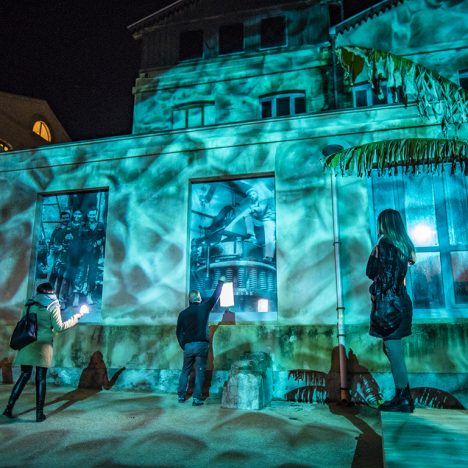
(39, 353)
(392, 310)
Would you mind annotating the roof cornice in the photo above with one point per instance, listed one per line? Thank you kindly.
(364, 16)
(159, 15)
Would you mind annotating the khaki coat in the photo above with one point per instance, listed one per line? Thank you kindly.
(49, 321)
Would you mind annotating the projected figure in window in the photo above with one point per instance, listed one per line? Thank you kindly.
(233, 226)
(262, 212)
(92, 241)
(74, 249)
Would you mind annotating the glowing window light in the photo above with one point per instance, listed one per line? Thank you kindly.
(422, 234)
(262, 305)
(40, 128)
(227, 295)
(4, 146)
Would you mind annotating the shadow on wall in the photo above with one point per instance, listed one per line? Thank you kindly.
(324, 387)
(93, 379)
(6, 365)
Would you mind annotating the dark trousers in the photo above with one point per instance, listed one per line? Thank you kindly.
(194, 353)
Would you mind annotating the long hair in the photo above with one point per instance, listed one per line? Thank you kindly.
(390, 226)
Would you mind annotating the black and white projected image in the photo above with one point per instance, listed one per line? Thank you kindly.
(71, 250)
(233, 233)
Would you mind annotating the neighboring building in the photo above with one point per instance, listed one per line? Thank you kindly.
(27, 123)
(235, 107)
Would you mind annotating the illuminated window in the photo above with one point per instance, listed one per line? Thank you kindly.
(283, 104)
(4, 146)
(190, 45)
(463, 79)
(435, 208)
(197, 114)
(273, 32)
(231, 38)
(41, 129)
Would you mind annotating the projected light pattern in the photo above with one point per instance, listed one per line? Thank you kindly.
(173, 194)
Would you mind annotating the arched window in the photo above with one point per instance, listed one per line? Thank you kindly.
(4, 146)
(42, 129)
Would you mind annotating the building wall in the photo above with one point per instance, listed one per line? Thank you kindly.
(148, 176)
(146, 268)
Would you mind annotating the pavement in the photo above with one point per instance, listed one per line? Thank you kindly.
(92, 428)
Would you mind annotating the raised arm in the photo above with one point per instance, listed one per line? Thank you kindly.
(217, 292)
(56, 319)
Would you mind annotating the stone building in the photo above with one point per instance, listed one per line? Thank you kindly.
(260, 96)
(26, 122)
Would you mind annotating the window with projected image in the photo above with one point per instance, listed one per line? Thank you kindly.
(71, 249)
(233, 233)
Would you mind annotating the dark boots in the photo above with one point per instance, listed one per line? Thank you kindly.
(16, 392)
(41, 373)
(402, 402)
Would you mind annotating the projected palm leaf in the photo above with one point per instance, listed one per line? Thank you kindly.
(435, 95)
(321, 387)
(408, 154)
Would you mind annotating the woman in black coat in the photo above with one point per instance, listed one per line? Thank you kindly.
(392, 310)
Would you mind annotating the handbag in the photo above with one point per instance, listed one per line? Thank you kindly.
(386, 314)
(25, 331)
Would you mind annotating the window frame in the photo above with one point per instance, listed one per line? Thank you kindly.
(371, 95)
(451, 309)
(273, 98)
(232, 25)
(5, 146)
(43, 129)
(181, 43)
(187, 107)
(285, 31)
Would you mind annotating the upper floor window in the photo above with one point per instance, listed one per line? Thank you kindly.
(190, 45)
(365, 96)
(231, 38)
(435, 208)
(197, 114)
(463, 79)
(273, 32)
(283, 104)
(4, 146)
(41, 128)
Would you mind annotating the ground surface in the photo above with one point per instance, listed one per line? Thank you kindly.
(98, 429)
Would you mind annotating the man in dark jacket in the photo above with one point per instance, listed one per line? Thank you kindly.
(192, 335)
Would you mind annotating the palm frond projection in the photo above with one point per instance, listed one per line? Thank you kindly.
(410, 155)
(434, 95)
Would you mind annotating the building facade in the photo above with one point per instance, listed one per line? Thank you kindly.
(236, 111)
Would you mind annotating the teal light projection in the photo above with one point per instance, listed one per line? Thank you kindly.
(71, 250)
(233, 233)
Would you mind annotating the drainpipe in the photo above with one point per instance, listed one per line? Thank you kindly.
(340, 308)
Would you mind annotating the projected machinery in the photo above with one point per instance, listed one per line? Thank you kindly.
(233, 234)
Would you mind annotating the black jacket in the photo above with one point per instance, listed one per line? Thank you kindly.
(388, 270)
(192, 323)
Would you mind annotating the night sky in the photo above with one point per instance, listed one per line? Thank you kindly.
(79, 56)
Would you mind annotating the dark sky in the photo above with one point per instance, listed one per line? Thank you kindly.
(79, 56)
